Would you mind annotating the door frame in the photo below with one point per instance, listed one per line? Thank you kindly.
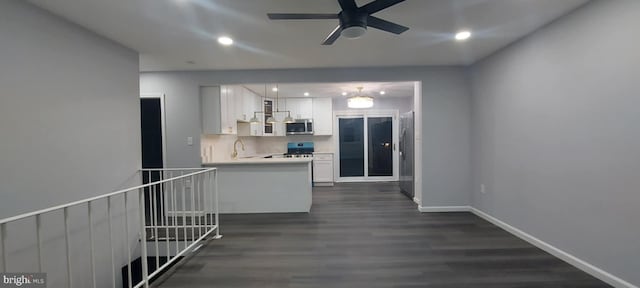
(395, 125)
(163, 123)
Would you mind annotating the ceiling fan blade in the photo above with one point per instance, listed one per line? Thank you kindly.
(375, 6)
(335, 34)
(348, 4)
(300, 16)
(385, 25)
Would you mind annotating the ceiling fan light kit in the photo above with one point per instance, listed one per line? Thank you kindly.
(353, 20)
(353, 32)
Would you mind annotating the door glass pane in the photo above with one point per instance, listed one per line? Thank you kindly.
(380, 146)
(351, 147)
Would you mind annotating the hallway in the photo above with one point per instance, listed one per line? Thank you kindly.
(369, 235)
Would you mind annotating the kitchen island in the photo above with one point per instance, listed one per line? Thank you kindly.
(264, 185)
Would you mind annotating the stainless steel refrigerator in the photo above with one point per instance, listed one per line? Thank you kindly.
(407, 154)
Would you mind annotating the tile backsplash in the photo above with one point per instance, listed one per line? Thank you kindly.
(266, 145)
(220, 147)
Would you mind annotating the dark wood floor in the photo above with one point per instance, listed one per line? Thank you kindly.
(370, 235)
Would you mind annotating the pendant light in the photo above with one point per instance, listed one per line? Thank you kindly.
(360, 101)
(254, 119)
(287, 119)
(270, 119)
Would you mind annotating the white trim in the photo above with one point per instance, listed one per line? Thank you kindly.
(323, 184)
(417, 140)
(573, 260)
(416, 200)
(365, 179)
(430, 209)
(163, 119)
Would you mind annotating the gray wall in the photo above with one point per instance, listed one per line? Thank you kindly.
(69, 123)
(556, 139)
(445, 107)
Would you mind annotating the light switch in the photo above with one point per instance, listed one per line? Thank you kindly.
(190, 141)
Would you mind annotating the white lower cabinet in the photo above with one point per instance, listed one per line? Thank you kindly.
(323, 169)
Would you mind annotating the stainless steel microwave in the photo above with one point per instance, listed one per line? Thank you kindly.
(300, 127)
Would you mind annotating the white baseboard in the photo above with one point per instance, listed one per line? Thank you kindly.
(444, 208)
(322, 184)
(575, 261)
(416, 200)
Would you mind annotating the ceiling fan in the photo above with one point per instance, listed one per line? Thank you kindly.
(354, 20)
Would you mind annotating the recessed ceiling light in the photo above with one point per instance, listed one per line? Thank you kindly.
(382, 92)
(306, 93)
(274, 89)
(224, 40)
(344, 93)
(463, 35)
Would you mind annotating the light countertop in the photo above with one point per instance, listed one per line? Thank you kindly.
(257, 160)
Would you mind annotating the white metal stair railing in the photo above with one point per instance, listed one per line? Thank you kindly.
(177, 208)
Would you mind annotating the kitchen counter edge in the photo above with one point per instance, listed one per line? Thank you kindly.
(259, 161)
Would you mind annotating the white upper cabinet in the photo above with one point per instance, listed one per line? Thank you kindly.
(218, 110)
(251, 103)
(322, 116)
(228, 109)
(301, 108)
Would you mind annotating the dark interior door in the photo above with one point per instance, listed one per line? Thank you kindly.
(151, 121)
(151, 132)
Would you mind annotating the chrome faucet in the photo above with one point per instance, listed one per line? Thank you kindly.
(234, 154)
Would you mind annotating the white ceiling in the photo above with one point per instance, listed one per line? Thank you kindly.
(334, 90)
(170, 33)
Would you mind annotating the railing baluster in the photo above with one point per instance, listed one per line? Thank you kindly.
(143, 235)
(216, 192)
(193, 211)
(126, 235)
(155, 224)
(3, 238)
(163, 208)
(199, 202)
(67, 235)
(211, 199)
(148, 191)
(92, 255)
(39, 240)
(173, 208)
(166, 222)
(184, 211)
(113, 261)
(160, 200)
